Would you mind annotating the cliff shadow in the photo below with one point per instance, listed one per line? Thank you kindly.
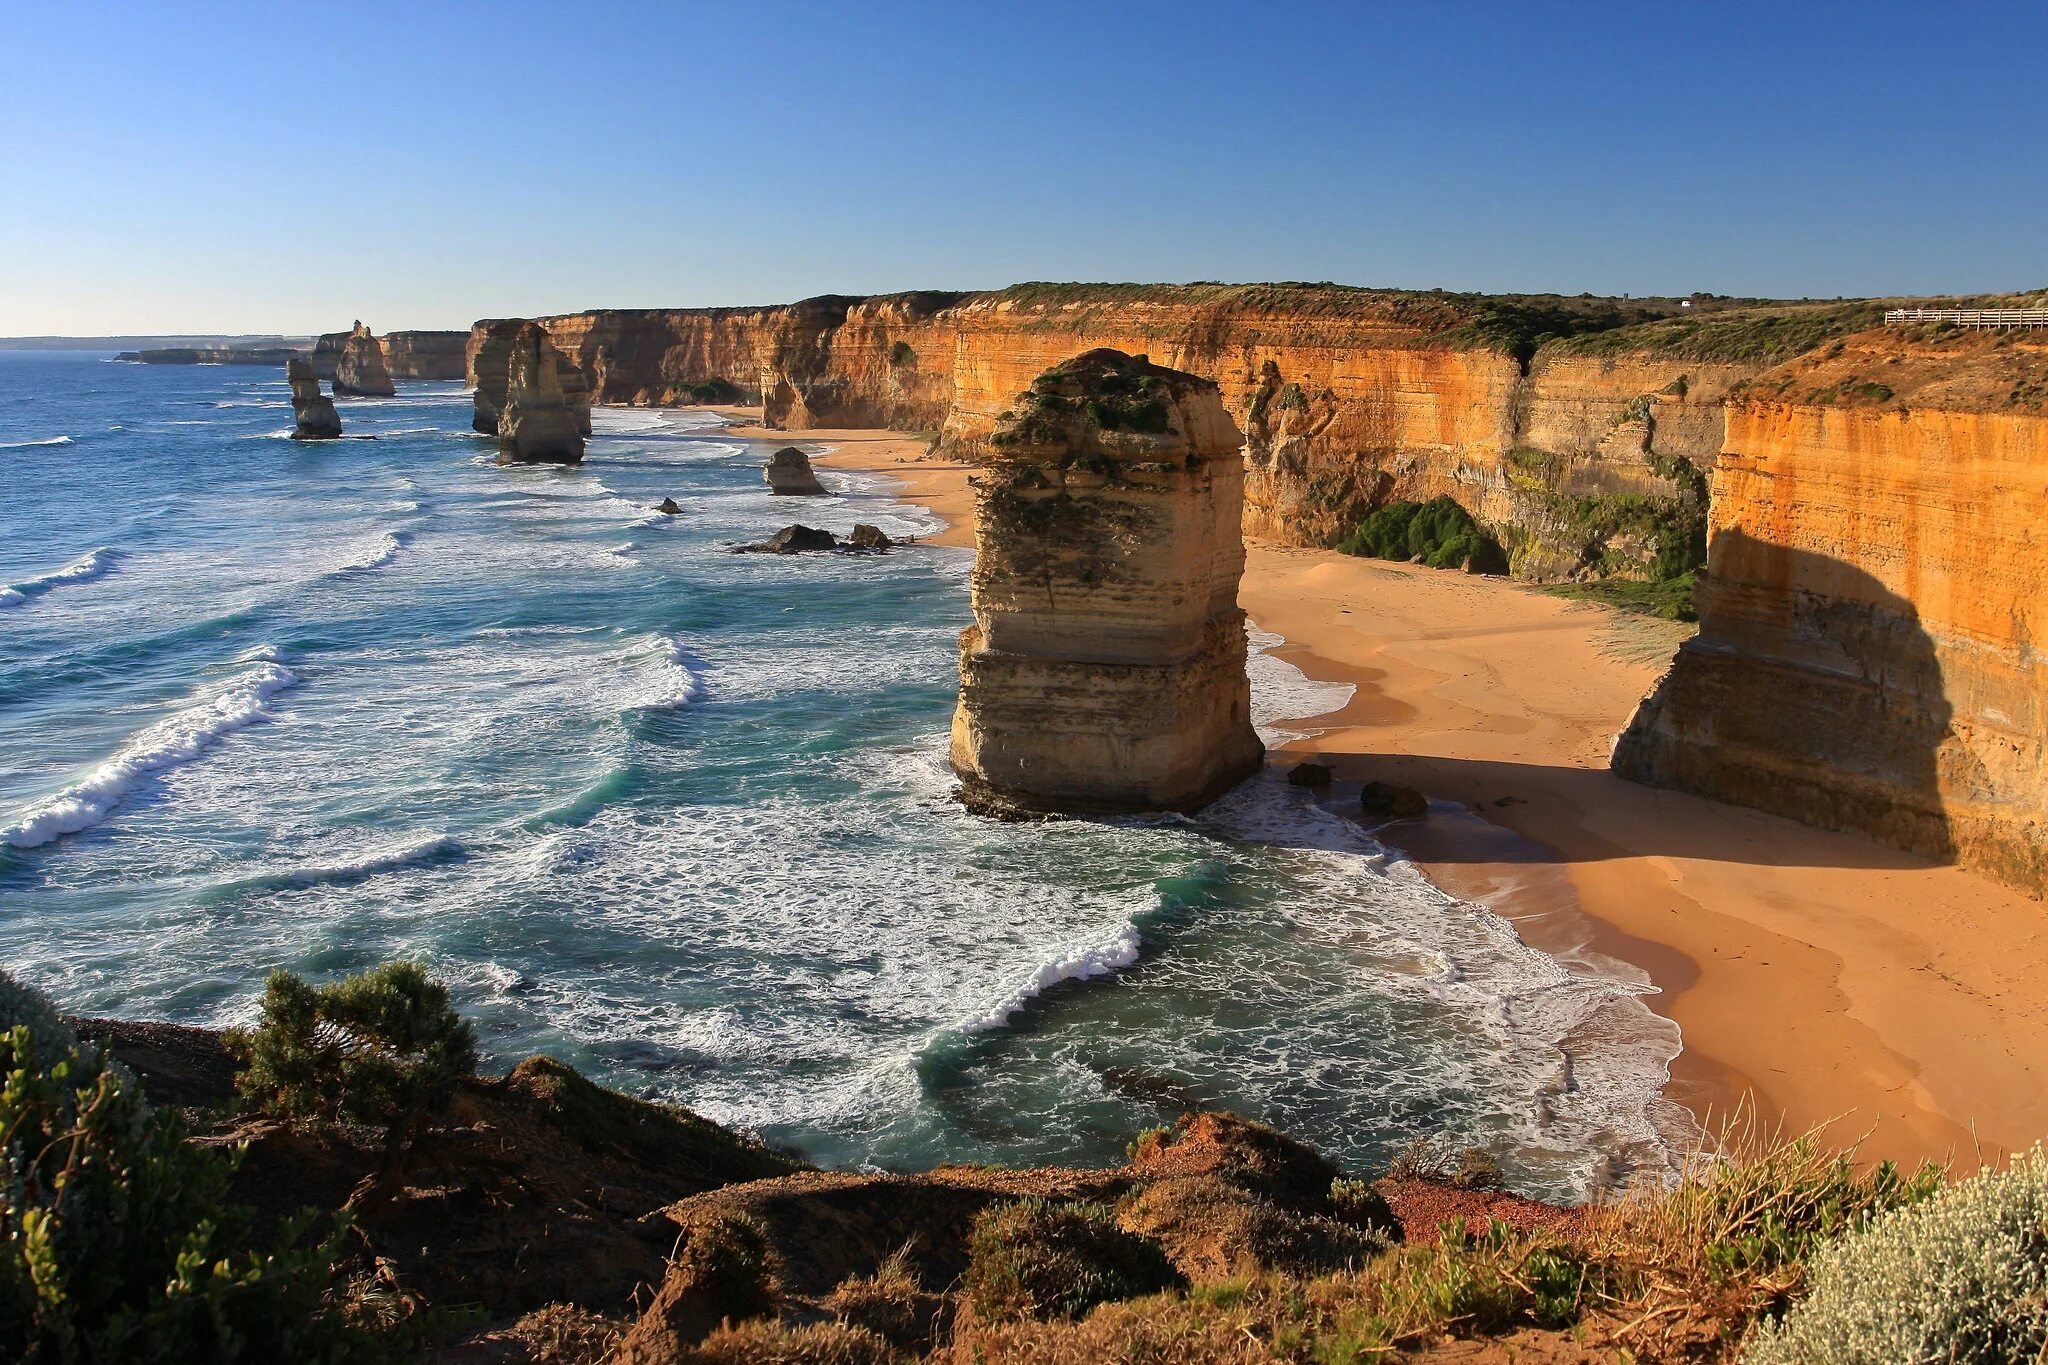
(1812, 692)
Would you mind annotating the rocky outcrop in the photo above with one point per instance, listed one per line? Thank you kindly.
(313, 415)
(789, 474)
(213, 355)
(792, 540)
(537, 424)
(426, 355)
(1868, 656)
(1105, 669)
(361, 370)
(488, 356)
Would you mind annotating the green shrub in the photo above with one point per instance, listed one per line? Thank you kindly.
(1036, 1258)
(116, 1241)
(23, 1006)
(1440, 531)
(1960, 1277)
(900, 355)
(382, 1047)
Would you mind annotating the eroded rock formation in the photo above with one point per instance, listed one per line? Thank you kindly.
(1868, 656)
(361, 369)
(489, 356)
(426, 355)
(789, 474)
(1105, 669)
(313, 415)
(537, 424)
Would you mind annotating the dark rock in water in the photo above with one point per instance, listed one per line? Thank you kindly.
(313, 412)
(792, 540)
(866, 537)
(668, 508)
(1310, 775)
(789, 474)
(1390, 801)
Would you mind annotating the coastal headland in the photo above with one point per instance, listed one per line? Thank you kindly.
(1815, 976)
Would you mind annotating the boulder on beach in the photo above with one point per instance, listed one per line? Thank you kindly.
(313, 415)
(792, 540)
(866, 537)
(1310, 774)
(1391, 801)
(789, 474)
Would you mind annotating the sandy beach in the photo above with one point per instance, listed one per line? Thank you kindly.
(1823, 975)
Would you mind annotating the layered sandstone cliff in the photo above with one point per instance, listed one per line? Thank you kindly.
(1868, 656)
(313, 415)
(426, 355)
(1585, 461)
(1105, 669)
(537, 424)
(361, 369)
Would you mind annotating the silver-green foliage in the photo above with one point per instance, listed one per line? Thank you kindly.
(1962, 1277)
(23, 1006)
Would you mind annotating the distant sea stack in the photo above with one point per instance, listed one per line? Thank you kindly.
(789, 474)
(537, 424)
(1105, 669)
(489, 348)
(312, 411)
(361, 370)
(1871, 614)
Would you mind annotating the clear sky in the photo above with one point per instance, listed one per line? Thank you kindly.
(288, 167)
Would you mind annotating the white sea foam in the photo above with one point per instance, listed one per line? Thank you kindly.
(1111, 953)
(669, 679)
(81, 570)
(46, 441)
(379, 553)
(176, 740)
(1280, 691)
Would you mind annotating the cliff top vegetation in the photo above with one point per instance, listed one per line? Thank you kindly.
(1929, 365)
(1753, 330)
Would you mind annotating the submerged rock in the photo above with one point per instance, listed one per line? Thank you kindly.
(1391, 801)
(792, 540)
(1105, 669)
(668, 507)
(361, 369)
(1310, 774)
(313, 414)
(537, 424)
(789, 474)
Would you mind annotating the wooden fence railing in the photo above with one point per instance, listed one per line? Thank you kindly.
(1970, 317)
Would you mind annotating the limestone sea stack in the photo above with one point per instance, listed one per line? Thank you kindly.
(313, 412)
(361, 370)
(789, 474)
(1105, 669)
(490, 347)
(537, 425)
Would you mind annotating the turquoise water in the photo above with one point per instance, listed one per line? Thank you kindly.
(682, 817)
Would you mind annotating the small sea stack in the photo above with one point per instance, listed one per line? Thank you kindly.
(490, 348)
(789, 474)
(1105, 669)
(313, 415)
(361, 370)
(537, 424)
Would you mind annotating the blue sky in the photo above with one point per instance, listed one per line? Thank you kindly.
(289, 167)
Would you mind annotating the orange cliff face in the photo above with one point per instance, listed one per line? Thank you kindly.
(1349, 398)
(1868, 656)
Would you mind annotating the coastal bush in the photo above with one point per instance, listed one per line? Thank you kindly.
(900, 355)
(23, 1006)
(383, 1047)
(1441, 532)
(1961, 1276)
(117, 1242)
(1041, 1259)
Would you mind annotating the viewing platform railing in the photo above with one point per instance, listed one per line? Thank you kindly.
(1970, 317)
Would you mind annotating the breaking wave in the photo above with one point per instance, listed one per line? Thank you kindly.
(170, 743)
(46, 441)
(81, 570)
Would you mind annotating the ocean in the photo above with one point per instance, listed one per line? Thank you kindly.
(682, 818)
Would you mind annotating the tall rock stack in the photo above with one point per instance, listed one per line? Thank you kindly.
(361, 370)
(537, 424)
(490, 355)
(1105, 669)
(313, 415)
